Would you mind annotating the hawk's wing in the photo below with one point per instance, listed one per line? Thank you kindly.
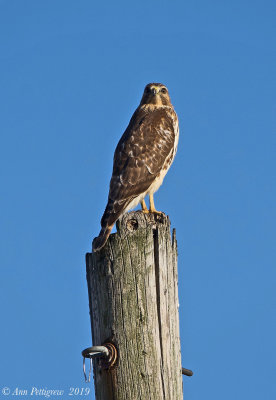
(139, 158)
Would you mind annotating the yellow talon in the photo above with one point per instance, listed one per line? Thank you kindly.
(144, 207)
(152, 207)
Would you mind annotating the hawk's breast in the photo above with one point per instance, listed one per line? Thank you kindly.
(170, 157)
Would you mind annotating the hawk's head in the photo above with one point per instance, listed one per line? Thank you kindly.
(157, 94)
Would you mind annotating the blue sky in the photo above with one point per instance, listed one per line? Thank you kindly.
(71, 75)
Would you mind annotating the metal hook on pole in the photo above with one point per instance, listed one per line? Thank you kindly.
(187, 372)
(108, 353)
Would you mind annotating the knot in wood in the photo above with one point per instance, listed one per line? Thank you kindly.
(134, 220)
(132, 225)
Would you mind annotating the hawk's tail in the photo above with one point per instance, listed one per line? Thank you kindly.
(112, 212)
(101, 240)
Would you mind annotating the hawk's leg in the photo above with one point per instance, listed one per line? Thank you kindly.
(152, 207)
(144, 207)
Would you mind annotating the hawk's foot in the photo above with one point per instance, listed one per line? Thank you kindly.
(156, 212)
(152, 207)
(144, 207)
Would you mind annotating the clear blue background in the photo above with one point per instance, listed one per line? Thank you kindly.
(71, 75)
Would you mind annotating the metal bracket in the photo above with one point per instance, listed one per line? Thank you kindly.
(107, 353)
(187, 372)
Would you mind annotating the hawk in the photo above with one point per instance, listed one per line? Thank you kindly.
(142, 158)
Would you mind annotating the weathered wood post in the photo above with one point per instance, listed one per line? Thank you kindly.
(133, 300)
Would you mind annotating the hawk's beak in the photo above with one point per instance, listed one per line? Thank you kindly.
(154, 91)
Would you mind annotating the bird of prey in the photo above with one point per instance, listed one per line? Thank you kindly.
(142, 158)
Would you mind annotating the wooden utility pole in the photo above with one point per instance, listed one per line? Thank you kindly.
(133, 300)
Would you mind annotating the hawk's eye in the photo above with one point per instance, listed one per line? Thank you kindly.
(147, 90)
(164, 90)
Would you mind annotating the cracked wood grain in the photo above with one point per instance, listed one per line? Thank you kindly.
(133, 301)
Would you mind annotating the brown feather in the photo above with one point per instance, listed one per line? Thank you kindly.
(146, 146)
